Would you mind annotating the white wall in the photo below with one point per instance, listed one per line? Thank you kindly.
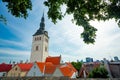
(57, 73)
(34, 71)
(39, 55)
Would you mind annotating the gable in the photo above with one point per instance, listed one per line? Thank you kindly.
(35, 71)
(57, 73)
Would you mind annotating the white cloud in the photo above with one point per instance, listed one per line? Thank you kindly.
(66, 38)
(14, 51)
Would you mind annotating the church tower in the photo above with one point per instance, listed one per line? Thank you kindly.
(40, 41)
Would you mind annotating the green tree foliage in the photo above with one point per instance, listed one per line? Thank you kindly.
(83, 12)
(77, 65)
(99, 72)
(18, 8)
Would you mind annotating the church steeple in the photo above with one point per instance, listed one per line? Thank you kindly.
(42, 24)
(40, 41)
(41, 29)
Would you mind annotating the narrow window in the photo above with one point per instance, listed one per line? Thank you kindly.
(46, 49)
(36, 48)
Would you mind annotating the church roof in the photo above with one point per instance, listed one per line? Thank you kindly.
(41, 30)
(54, 60)
(5, 67)
(25, 66)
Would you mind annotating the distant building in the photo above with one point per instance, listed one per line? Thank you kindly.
(88, 59)
(116, 58)
(87, 68)
(4, 68)
(113, 68)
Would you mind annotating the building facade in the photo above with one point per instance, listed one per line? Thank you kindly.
(39, 50)
(20, 70)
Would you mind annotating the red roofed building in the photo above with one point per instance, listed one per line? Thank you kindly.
(54, 60)
(42, 69)
(20, 70)
(65, 70)
(49, 69)
(87, 68)
(4, 68)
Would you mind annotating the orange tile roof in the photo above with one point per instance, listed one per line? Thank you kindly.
(66, 70)
(49, 68)
(54, 60)
(69, 64)
(25, 66)
(41, 66)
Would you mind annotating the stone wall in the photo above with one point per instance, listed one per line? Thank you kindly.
(52, 78)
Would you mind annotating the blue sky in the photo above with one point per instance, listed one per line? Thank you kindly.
(16, 37)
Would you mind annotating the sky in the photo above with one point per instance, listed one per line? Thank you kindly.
(16, 37)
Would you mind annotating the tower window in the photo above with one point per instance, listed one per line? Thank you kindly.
(46, 49)
(35, 38)
(37, 48)
(39, 38)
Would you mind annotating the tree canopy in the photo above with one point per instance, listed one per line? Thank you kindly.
(77, 65)
(99, 72)
(18, 8)
(83, 12)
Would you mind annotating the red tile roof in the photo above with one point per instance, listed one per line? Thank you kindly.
(47, 68)
(71, 66)
(25, 66)
(88, 67)
(66, 70)
(5, 67)
(41, 66)
(54, 60)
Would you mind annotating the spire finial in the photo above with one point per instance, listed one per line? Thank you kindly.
(42, 19)
(43, 13)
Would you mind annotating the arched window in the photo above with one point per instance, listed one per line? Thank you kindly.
(37, 48)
